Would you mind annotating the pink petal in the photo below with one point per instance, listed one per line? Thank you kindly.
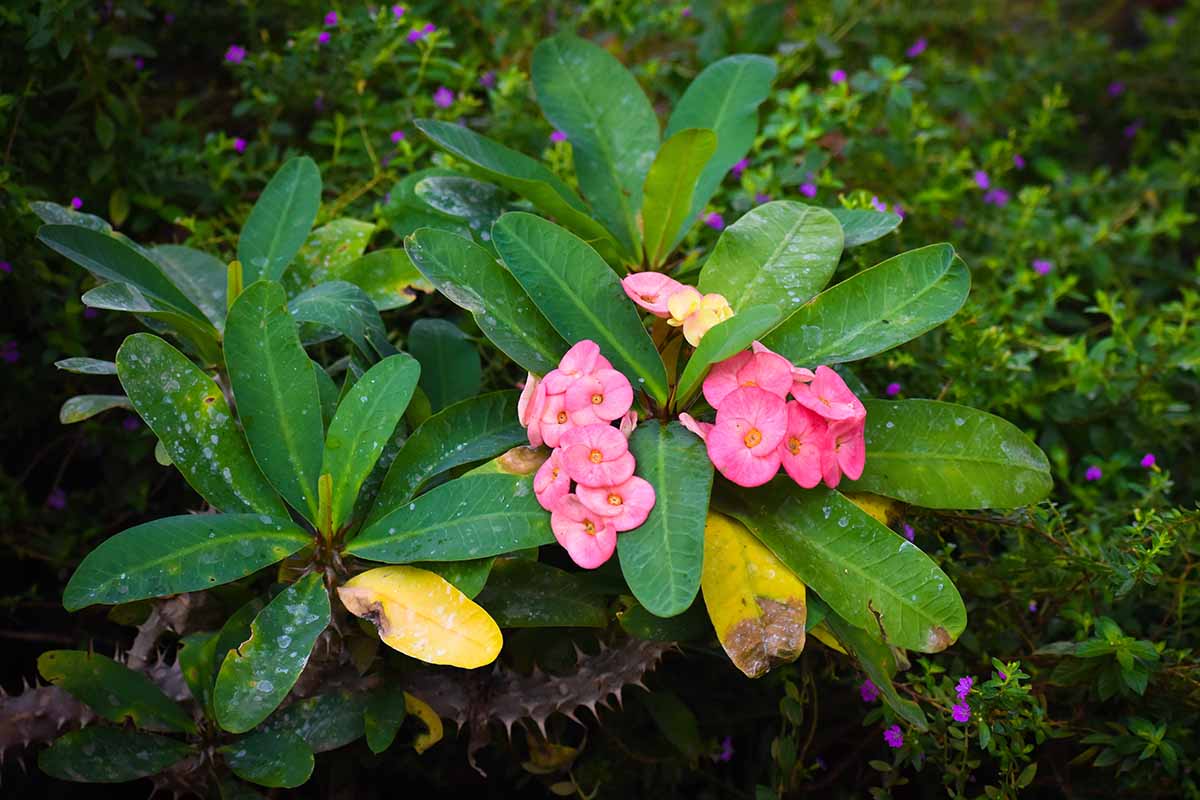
(628, 424)
(769, 371)
(751, 409)
(570, 520)
(722, 378)
(551, 482)
(584, 470)
(582, 359)
(604, 395)
(729, 454)
(650, 290)
(527, 395)
(829, 396)
(555, 421)
(800, 453)
(626, 506)
(697, 427)
(847, 437)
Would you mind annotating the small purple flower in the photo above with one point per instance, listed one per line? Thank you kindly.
(76, 203)
(57, 499)
(714, 221)
(894, 737)
(10, 353)
(738, 168)
(1042, 266)
(917, 48)
(90, 313)
(168, 18)
(837, 76)
(996, 197)
(868, 691)
(726, 750)
(487, 79)
(964, 687)
(892, 389)
(429, 28)
(808, 189)
(820, 762)
(1131, 130)
(235, 54)
(961, 712)
(981, 179)
(5, 267)
(331, 19)
(1001, 675)
(397, 11)
(1148, 461)
(762, 197)
(1018, 161)
(686, 11)
(1093, 474)
(899, 211)
(323, 37)
(1116, 89)
(415, 35)
(558, 136)
(909, 532)
(397, 137)
(1033, 606)
(131, 423)
(878, 204)
(318, 103)
(443, 97)
(384, 161)
(139, 64)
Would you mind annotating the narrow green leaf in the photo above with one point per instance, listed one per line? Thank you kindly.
(471, 278)
(196, 657)
(476, 203)
(450, 366)
(200, 276)
(721, 342)
(528, 594)
(86, 406)
(343, 307)
(662, 559)
(383, 717)
(387, 276)
(257, 675)
(235, 282)
(329, 394)
(110, 755)
(942, 455)
(201, 336)
(278, 759)
(670, 185)
(860, 226)
(276, 392)
(580, 295)
(112, 690)
(280, 221)
(877, 309)
(86, 366)
(180, 554)
(188, 413)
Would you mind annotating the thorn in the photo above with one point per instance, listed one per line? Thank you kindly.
(536, 673)
(579, 654)
(617, 694)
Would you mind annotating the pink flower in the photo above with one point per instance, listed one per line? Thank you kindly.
(917, 48)
(802, 448)
(996, 197)
(530, 407)
(697, 427)
(626, 506)
(868, 691)
(239, 144)
(57, 499)
(76, 203)
(762, 368)
(587, 537)
(846, 452)
(1148, 461)
(628, 423)
(235, 54)
(429, 28)
(5, 267)
(650, 290)
(597, 455)
(603, 396)
(553, 422)
(828, 395)
(696, 313)
(714, 221)
(582, 359)
(878, 204)
(961, 712)
(894, 737)
(551, 482)
(837, 76)
(416, 35)
(744, 444)
(397, 137)
(909, 533)
(1116, 89)
(331, 18)
(1093, 474)
(558, 136)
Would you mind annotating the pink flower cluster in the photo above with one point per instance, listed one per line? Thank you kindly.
(818, 435)
(571, 410)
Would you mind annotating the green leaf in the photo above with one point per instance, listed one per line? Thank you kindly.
(860, 226)
(470, 277)
(86, 406)
(112, 259)
(383, 717)
(276, 392)
(343, 307)
(180, 554)
(525, 176)
(54, 214)
(257, 675)
(329, 394)
(450, 367)
(124, 297)
(110, 755)
(198, 275)
(580, 295)
(188, 413)
(474, 516)
(662, 559)
(196, 657)
(280, 221)
(112, 690)
(670, 185)
(780, 254)
(362, 426)
(588, 94)
(477, 203)
(721, 342)
(528, 594)
(675, 720)
(942, 455)
(81, 365)
(325, 722)
(874, 578)
(724, 98)
(877, 309)
(692, 625)
(329, 250)
(387, 276)
(270, 758)
(474, 429)
(469, 577)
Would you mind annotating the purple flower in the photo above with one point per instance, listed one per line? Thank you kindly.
(131, 423)
(740, 167)
(235, 54)
(76, 203)
(899, 211)
(714, 221)
(808, 189)
(139, 64)
(90, 313)
(894, 737)
(558, 136)
(878, 204)
(1033, 606)
(443, 97)
(1001, 675)
(487, 79)
(909, 533)
(429, 28)
(1093, 474)
(331, 19)
(686, 11)
(981, 179)
(9, 352)
(726, 750)
(917, 48)
(323, 37)
(1131, 130)
(397, 11)
(997, 197)
(57, 499)
(837, 76)
(1042, 266)
(820, 762)
(1148, 461)
(169, 18)
(762, 197)
(964, 687)
(1018, 162)
(239, 144)
(1116, 89)
(397, 137)
(892, 389)
(415, 35)
(868, 691)
(5, 267)
(961, 712)
(318, 103)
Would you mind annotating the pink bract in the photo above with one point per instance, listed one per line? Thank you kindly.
(806, 439)
(626, 506)
(603, 396)
(846, 453)
(582, 359)
(828, 395)
(723, 377)
(551, 482)
(650, 290)
(587, 537)
(530, 407)
(694, 425)
(761, 368)
(597, 455)
(554, 420)
(744, 443)
(628, 423)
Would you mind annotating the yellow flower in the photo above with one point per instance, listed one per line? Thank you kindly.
(697, 313)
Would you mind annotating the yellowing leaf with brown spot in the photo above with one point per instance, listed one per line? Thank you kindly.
(882, 509)
(757, 606)
(423, 615)
(433, 723)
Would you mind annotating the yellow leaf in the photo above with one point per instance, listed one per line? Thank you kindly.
(423, 615)
(881, 508)
(825, 636)
(433, 723)
(757, 606)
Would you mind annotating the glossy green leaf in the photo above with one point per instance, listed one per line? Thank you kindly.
(280, 221)
(724, 98)
(329, 394)
(675, 720)
(256, 676)
(387, 276)
(86, 366)
(943, 455)
(325, 722)
(669, 189)
(362, 426)
(276, 392)
(474, 429)
(278, 759)
(780, 254)
(474, 516)
(112, 690)
(477, 203)
(343, 307)
(860, 225)
(587, 93)
(329, 250)
(110, 755)
(471, 278)
(692, 625)
(451, 370)
(721, 342)
(200, 276)
(874, 578)
(877, 309)
(180, 554)
(124, 297)
(469, 577)
(54, 214)
(525, 176)
(85, 406)
(662, 559)
(580, 295)
(383, 717)
(188, 413)
(196, 657)
(529, 594)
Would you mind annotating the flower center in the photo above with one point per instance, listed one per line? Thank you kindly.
(554, 474)
(589, 527)
(793, 445)
(597, 399)
(595, 456)
(615, 500)
(562, 418)
(753, 438)
(749, 383)
(650, 298)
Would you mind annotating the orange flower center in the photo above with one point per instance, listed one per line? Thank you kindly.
(793, 445)
(753, 438)
(562, 418)
(554, 474)
(589, 528)
(597, 399)
(650, 298)
(615, 500)
(749, 383)
(596, 456)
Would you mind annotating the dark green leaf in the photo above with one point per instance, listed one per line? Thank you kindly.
(196, 657)
(326, 722)
(670, 185)
(280, 221)
(198, 275)
(86, 406)
(54, 214)
(691, 625)
(860, 226)
(469, 577)
(330, 249)
(721, 342)
(343, 307)
(112, 690)
(528, 594)
(450, 366)
(387, 276)
(124, 297)
(270, 758)
(383, 717)
(110, 755)
(86, 366)
(675, 720)
(477, 203)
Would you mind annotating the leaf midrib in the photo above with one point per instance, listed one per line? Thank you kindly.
(272, 250)
(670, 222)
